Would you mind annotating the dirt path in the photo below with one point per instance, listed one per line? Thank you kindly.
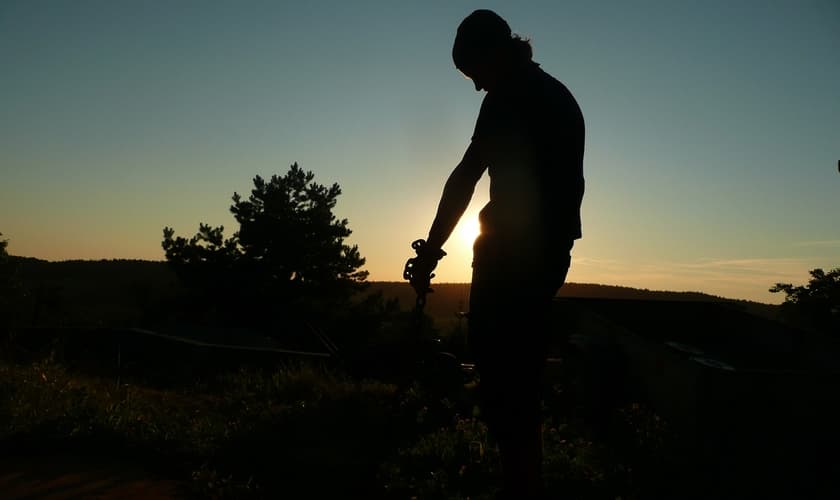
(74, 476)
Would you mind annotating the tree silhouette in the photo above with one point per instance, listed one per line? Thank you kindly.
(288, 255)
(815, 305)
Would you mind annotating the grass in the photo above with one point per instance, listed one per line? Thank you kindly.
(308, 430)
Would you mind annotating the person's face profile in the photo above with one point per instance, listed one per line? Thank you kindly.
(473, 80)
(476, 76)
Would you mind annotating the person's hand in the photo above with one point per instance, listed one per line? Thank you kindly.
(421, 273)
(419, 270)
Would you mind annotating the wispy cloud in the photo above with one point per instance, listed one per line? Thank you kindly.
(589, 261)
(736, 278)
(818, 243)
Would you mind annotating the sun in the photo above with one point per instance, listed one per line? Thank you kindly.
(468, 230)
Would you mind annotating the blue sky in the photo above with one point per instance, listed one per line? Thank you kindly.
(712, 137)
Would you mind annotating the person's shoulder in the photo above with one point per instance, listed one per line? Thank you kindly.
(556, 94)
(550, 84)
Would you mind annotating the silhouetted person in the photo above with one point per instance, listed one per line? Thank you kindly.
(530, 137)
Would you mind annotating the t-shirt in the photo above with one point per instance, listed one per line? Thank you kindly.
(531, 135)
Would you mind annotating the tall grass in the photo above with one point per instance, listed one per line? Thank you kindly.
(303, 429)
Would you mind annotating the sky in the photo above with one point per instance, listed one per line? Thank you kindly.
(712, 134)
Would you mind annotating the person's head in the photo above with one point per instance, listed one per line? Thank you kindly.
(486, 51)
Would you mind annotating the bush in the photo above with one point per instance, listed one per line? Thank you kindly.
(815, 305)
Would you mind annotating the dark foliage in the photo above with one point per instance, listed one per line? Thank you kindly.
(5, 267)
(9, 287)
(96, 293)
(288, 257)
(815, 305)
(4, 284)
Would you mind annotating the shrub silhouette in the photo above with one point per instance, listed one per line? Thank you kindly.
(288, 257)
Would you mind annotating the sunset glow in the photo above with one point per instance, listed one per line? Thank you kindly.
(468, 230)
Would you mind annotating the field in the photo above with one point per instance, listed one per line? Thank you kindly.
(302, 430)
(381, 418)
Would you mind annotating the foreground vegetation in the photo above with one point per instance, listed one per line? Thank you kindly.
(311, 430)
(305, 430)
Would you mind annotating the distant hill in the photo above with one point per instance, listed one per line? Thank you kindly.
(93, 292)
(450, 298)
(84, 292)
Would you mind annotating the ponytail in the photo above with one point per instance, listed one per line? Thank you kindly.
(521, 49)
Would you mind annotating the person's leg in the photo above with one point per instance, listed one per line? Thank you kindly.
(509, 314)
(521, 462)
(506, 338)
(518, 432)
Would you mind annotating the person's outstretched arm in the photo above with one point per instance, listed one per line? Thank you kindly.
(456, 195)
